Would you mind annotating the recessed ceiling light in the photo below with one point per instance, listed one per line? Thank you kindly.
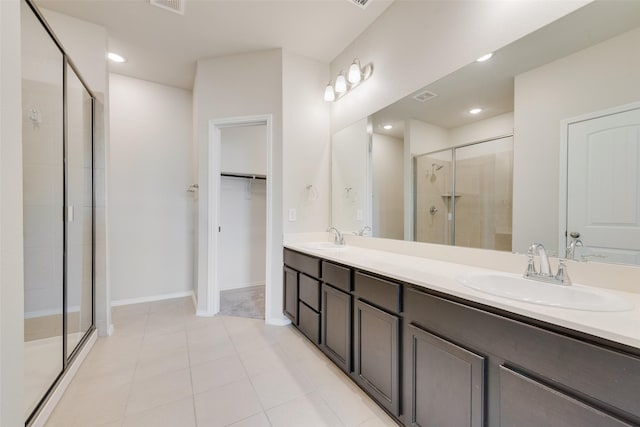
(115, 57)
(485, 57)
(475, 111)
(387, 127)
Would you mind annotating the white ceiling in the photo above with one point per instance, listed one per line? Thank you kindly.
(163, 46)
(490, 84)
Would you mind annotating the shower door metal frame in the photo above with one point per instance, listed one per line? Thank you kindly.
(67, 359)
(453, 150)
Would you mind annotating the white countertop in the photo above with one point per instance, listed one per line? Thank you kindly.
(622, 327)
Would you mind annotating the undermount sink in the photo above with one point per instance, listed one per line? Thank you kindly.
(515, 287)
(323, 246)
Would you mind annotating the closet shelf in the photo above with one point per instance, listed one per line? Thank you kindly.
(243, 175)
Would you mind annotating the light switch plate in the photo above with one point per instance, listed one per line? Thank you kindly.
(359, 215)
(292, 214)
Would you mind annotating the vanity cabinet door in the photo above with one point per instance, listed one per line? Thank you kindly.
(444, 382)
(525, 402)
(336, 326)
(376, 351)
(290, 302)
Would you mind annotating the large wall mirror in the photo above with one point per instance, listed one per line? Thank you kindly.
(525, 167)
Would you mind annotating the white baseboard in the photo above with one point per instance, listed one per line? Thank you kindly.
(151, 298)
(278, 321)
(204, 313)
(234, 286)
(41, 419)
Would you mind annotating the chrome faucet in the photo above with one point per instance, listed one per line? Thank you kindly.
(338, 237)
(362, 231)
(544, 274)
(571, 248)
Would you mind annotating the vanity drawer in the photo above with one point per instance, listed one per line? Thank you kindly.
(309, 323)
(337, 276)
(309, 291)
(380, 292)
(303, 263)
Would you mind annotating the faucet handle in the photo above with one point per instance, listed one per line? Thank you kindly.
(562, 276)
(531, 268)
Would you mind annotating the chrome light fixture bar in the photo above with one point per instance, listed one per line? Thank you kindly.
(356, 74)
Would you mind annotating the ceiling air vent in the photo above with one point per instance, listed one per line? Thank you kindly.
(424, 96)
(176, 6)
(361, 3)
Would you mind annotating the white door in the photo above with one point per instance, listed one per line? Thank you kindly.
(603, 188)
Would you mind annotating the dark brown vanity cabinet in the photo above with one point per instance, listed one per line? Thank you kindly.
(336, 326)
(290, 300)
(377, 339)
(337, 315)
(435, 360)
(438, 373)
(505, 372)
(301, 300)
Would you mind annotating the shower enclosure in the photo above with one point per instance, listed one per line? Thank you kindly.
(57, 145)
(463, 195)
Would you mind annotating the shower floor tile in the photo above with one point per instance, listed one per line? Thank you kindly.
(188, 371)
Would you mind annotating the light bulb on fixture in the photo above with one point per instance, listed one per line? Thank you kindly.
(475, 111)
(341, 84)
(485, 57)
(387, 127)
(355, 73)
(329, 93)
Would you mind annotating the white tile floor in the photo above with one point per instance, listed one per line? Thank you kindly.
(165, 367)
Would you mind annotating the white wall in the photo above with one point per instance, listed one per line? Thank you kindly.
(11, 240)
(150, 208)
(86, 45)
(596, 78)
(351, 177)
(228, 87)
(387, 157)
(287, 87)
(414, 43)
(244, 150)
(484, 129)
(306, 136)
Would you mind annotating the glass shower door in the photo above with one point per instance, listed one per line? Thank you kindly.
(434, 189)
(484, 194)
(79, 211)
(43, 184)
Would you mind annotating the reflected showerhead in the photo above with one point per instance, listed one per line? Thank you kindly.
(436, 167)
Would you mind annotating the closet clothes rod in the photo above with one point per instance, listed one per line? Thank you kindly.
(243, 175)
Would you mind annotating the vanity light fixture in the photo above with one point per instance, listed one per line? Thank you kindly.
(387, 127)
(356, 74)
(485, 57)
(475, 111)
(116, 58)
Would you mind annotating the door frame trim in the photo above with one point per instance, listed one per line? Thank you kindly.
(213, 206)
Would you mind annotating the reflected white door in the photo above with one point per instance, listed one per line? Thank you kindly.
(603, 189)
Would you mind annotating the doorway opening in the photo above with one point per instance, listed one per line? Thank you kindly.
(239, 217)
(242, 227)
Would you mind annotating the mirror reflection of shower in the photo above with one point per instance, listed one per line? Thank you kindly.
(464, 195)
(435, 167)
